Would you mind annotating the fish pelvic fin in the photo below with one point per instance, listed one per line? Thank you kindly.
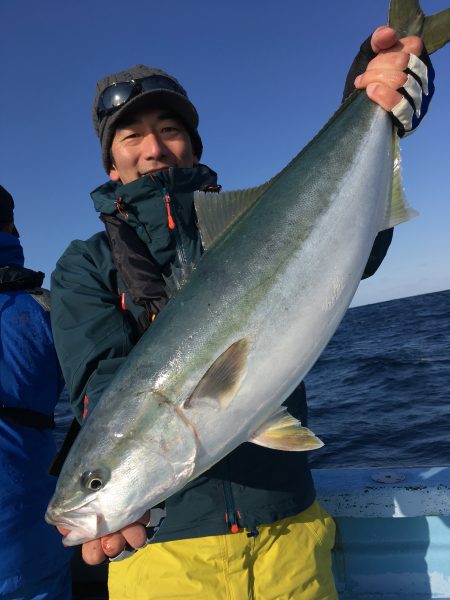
(408, 18)
(399, 211)
(222, 380)
(285, 432)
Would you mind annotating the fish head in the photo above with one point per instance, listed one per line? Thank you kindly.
(105, 486)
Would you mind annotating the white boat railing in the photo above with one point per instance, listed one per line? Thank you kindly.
(393, 531)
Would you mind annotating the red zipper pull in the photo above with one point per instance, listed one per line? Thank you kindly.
(232, 522)
(170, 220)
(85, 406)
(119, 207)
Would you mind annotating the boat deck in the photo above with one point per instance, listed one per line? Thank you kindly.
(393, 531)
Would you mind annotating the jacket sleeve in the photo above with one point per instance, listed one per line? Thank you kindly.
(92, 334)
(384, 238)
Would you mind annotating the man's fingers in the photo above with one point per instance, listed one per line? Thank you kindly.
(411, 45)
(387, 68)
(96, 551)
(391, 79)
(135, 535)
(113, 544)
(382, 38)
(396, 61)
(144, 519)
(384, 96)
(92, 552)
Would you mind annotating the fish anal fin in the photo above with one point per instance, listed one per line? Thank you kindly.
(222, 380)
(285, 432)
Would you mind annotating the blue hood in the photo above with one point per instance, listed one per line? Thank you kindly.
(11, 252)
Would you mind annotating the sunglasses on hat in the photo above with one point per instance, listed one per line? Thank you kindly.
(116, 95)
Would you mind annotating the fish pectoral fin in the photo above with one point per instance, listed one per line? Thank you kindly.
(285, 432)
(220, 383)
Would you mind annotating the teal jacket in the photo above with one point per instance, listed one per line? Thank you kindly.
(95, 325)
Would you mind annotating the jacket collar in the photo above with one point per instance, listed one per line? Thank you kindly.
(171, 180)
(11, 252)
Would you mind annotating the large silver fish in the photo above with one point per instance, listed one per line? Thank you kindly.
(283, 262)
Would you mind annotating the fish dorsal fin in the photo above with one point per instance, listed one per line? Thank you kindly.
(222, 380)
(408, 18)
(216, 213)
(284, 432)
(399, 211)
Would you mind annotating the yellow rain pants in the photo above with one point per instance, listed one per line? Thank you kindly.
(289, 560)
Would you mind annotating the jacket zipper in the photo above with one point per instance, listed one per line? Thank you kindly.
(232, 515)
(170, 221)
(173, 226)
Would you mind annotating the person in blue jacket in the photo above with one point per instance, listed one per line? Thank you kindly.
(34, 565)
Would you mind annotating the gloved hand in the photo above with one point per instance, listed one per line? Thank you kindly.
(397, 74)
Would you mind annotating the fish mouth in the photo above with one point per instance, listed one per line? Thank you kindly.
(84, 523)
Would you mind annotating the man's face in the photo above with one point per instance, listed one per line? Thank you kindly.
(149, 140)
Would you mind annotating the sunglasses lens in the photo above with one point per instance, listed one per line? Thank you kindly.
(159, 82)
(116, 95)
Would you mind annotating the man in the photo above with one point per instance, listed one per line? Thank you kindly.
(33, 564)
(250, 526)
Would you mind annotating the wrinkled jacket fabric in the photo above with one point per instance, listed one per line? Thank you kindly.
(33, 562)
(93, 336)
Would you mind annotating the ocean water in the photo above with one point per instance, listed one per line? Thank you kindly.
(379, 395)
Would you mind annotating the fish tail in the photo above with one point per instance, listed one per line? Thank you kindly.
(408, 18)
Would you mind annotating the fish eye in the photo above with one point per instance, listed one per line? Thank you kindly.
(95, 484)
(93, 481)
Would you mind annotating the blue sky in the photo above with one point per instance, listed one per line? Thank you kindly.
(265, 76)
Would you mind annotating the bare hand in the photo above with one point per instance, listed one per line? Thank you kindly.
(109, 546)
(384, 74)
